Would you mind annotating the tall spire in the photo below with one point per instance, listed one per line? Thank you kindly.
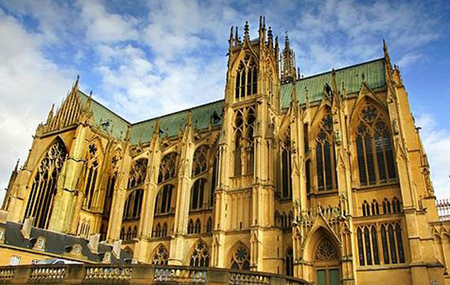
(288, 70)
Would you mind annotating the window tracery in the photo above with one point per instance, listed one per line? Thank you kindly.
(91, 181)
(286, 167)
(133, 205)
(197, 194)
(368, 237)
(200, 255)
(164, 200)
(138, 173)
(200, 161)
(44, 187)
(326, 250)
(246, 78)
(244, 149)
(240, 259)
(289, 262)
(167, 169)
(161, 255)
(374, 148)
(325, 156)
(109, 194)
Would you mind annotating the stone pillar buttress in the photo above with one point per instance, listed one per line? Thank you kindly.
(65, 203)
(181, 220)
(119, 197)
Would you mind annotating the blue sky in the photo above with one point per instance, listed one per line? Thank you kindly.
(147, 58)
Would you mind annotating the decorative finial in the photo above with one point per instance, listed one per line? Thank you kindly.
(237, 35)
(17, 165)
(269, 34)
(246, 32)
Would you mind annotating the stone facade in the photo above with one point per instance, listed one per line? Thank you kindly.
(323, 178)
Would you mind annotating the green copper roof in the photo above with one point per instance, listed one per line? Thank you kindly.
(352, 76)
(211, 113)
(171, 124)
(105, 118)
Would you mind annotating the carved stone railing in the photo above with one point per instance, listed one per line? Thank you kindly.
(108, 273)
(180, 275)
(136, 274)
(48, 273)
(443, 207)
(6, 274)
(248, 278)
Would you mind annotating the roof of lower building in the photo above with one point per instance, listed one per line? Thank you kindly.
(371, 72)
(57, 243)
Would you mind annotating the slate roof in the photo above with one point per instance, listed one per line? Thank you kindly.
(373, 73)
(56, 243)
(352, 77)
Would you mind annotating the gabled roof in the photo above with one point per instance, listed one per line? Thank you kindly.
(373, 73)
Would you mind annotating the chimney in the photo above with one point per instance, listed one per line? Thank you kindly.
(93, 243)
(116, 248)
(26, 228)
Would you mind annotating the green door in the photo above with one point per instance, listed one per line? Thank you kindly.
(321, 277)
(334, 276)
(329, 276)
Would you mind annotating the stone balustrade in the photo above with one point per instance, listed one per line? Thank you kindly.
(135, 274)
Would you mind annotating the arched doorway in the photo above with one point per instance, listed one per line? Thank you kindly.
(327, 262)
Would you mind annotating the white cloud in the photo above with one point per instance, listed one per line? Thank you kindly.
(437, 146)
(30, 84)
(104, 27)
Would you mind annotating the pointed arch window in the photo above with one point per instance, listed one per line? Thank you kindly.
(286, 167)
(386, 206)
(91, 180)
(289, 262)
(133, 205)
(392, 242)
(396, 205)
(44, 187)
(244, 147)
(246, 82)
(161, 255)
(214, 180)
(198, 226)
(164, 200)
(374, 148)
(200, 255)
(138, 173)
(198, 194)
(167, 169)
(240, 259)
(190, 229)
(109, 194)
(325, 156)
(209, 225)
(200, 161)
(368, 252)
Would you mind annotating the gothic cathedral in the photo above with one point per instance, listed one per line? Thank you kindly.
(321, 177)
